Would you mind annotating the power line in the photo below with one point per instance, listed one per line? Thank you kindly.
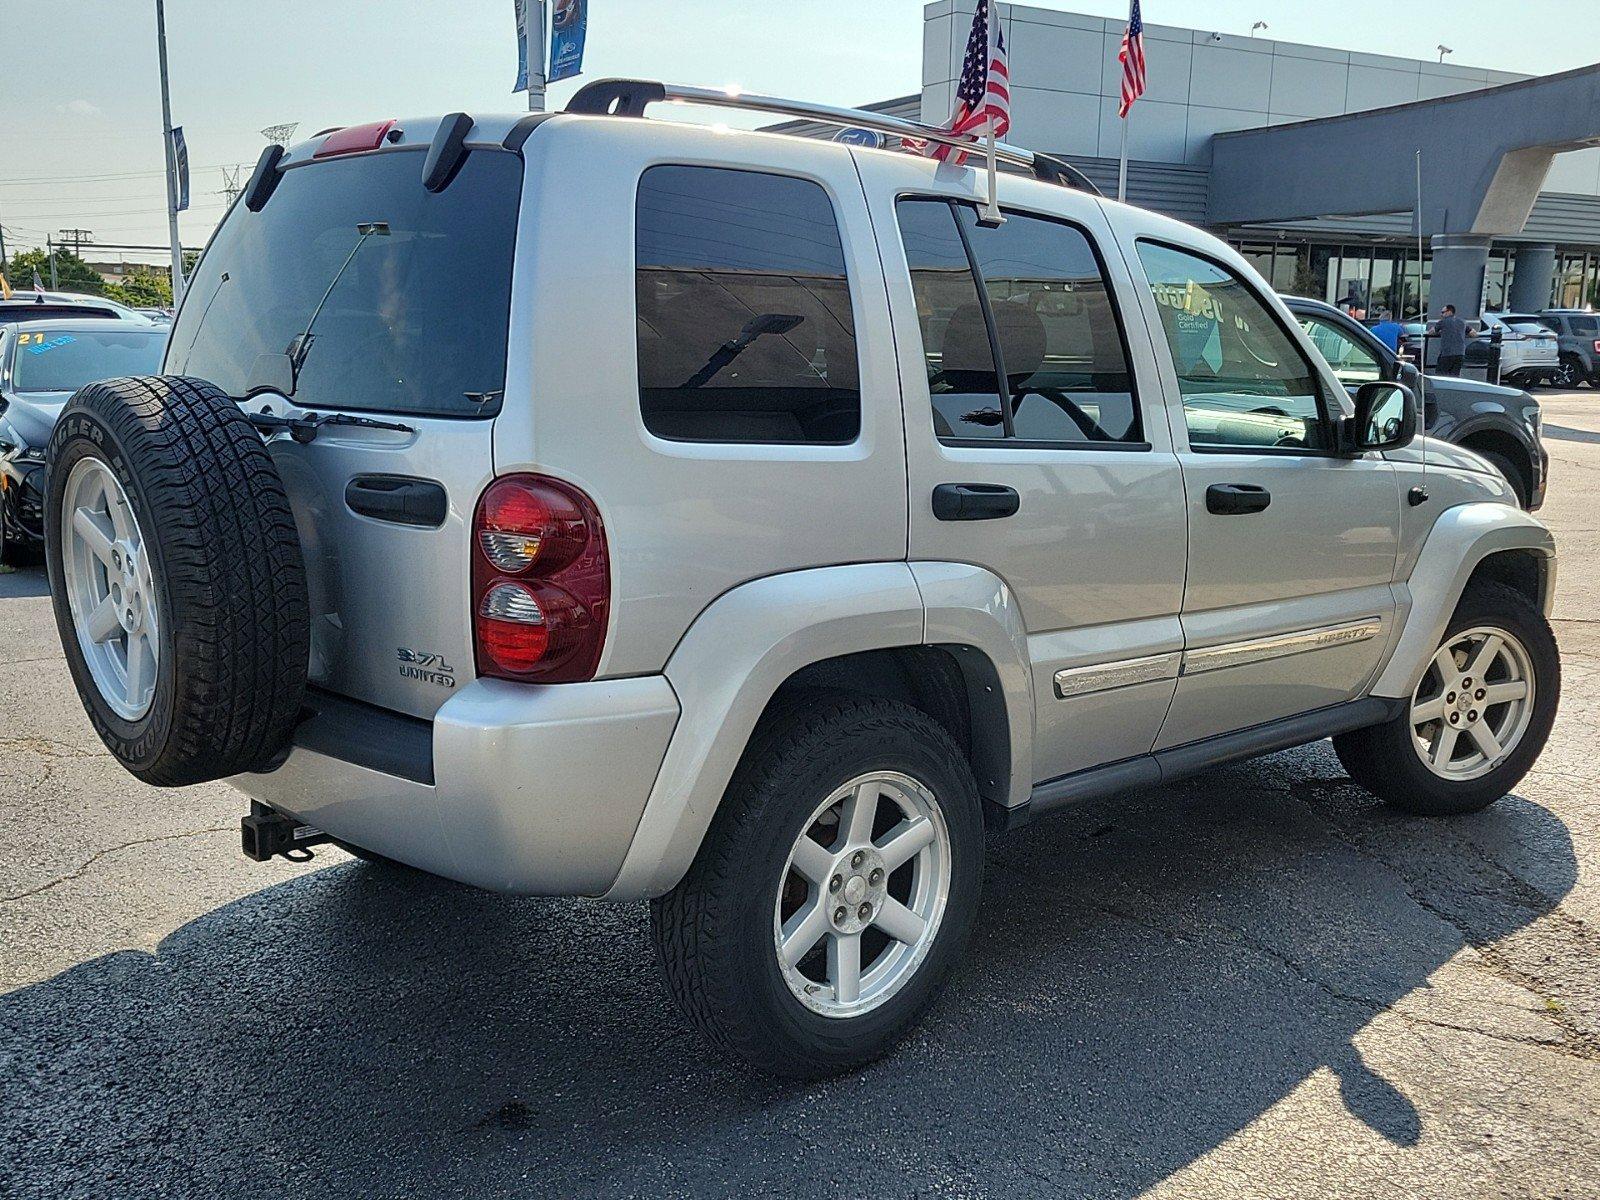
(44, 180)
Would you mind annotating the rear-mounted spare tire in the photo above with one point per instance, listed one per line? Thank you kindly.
(177, 578)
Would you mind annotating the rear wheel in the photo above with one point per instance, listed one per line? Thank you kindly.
(177, 580)
(1570, 373)
(1479, 716)
(834, 893)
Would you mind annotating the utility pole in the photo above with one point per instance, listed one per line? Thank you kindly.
(51, 248)
(172, 166)
(535, 28)
(77, 237)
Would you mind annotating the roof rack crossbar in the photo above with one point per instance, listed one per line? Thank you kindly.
(630, 98)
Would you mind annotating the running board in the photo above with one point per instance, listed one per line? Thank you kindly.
(1177, 762)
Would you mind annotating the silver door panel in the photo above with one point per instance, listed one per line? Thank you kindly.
(1102, 692)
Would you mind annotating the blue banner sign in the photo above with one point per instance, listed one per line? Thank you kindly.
(180, 166)
(567, 29)
(522, 46)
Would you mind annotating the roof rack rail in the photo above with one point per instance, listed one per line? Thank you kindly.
(630, 98)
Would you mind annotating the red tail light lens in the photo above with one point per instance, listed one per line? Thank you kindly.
(1597, 346)
(540, 581)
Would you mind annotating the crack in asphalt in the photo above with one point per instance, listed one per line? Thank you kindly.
(77, 872)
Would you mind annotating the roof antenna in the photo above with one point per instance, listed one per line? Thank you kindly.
(1422, 314)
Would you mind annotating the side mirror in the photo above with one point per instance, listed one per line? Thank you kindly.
(1386, 418)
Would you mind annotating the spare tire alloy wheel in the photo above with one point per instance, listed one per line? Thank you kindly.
(1474, 703)
(856, 914)
(110, 591)
(177, 579)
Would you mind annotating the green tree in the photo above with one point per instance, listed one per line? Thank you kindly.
(143, 289)
(72, 273)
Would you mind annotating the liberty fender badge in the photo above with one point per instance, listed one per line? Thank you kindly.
(429, 668)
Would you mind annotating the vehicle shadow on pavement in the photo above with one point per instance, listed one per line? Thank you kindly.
(1150, 974)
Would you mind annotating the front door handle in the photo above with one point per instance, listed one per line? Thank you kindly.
(974, 501)
(1228, 499)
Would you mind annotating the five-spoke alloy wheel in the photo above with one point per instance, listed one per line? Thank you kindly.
(864, 890)
(835, 890)
(110, 589)
(1478, 717)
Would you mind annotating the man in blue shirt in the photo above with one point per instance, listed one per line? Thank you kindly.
(1388, 331)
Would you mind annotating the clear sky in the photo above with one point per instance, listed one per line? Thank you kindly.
(80, 113)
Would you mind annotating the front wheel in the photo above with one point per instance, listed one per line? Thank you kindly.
(1478, 718)
(834, 892)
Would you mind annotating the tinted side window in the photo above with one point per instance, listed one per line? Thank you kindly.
(1584, 326)
(745, 330)
(962, 380)
(1066, 375)
(1067, 372)
(1244, 382)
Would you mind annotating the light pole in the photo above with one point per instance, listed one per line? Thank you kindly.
(533, 29)
(1258, 25)
(172, 166)
(1443, 50)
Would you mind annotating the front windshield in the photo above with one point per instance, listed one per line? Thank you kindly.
(58, 360)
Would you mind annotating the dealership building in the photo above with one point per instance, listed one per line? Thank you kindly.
(1305, 157)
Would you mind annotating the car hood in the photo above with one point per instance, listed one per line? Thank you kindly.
(1452, 385)
(33, 414)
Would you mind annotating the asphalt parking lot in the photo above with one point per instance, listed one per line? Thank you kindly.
(1257, 983)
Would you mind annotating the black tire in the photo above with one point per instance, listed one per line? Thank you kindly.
(1382, 759)
(222, 549)
(1570, 373)
(1510, 472)
(714, 932)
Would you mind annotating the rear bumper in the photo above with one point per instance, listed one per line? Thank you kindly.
(513, 787)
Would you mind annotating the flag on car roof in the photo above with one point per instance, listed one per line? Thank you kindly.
(1132, 58)
(5, 284)
(984, 91)
(38, 284)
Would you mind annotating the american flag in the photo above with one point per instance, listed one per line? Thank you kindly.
(38, 284)
(984, 92)
(1132, 58)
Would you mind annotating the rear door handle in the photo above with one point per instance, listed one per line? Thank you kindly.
(974, 501)
(1228, 499)
(398, 498)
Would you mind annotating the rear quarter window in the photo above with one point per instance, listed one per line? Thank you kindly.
(745, 329)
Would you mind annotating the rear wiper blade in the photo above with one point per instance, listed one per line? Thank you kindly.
(304, 429)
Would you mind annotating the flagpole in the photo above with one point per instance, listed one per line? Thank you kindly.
(992, 217)
(1122, 165)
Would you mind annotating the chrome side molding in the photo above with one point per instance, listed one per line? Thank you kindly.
(1104, 677)
(1238, 654)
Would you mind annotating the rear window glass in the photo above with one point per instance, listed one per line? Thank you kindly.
(744, 321)
(54, 360)
(1584, 325)
(406, 293)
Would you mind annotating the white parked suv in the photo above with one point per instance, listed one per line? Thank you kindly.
(598, 506)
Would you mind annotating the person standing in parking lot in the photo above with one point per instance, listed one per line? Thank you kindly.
(1452, 334)
(1388, 330)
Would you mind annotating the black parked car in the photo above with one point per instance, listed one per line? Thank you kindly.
(1579, 333)
(41, 364)
(1500, 423)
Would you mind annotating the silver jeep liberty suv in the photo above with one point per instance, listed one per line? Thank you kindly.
(592, 505)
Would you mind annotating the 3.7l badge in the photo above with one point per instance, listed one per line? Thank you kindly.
(429, 668)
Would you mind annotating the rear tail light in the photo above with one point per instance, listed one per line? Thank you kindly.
(1597, 346)
(541, 586)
